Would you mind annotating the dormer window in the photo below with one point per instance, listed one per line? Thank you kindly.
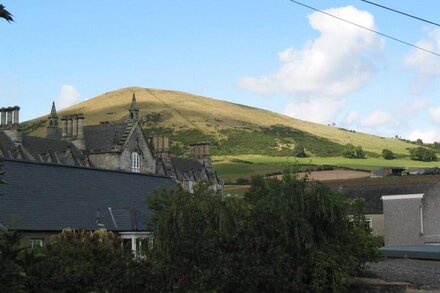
(135, 162)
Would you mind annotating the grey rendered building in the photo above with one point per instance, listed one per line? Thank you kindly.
(379, 211)
(412, 218)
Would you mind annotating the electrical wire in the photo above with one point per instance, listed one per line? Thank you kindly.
(400, 12)
(366, 28)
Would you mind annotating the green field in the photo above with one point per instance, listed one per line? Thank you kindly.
(230, 168)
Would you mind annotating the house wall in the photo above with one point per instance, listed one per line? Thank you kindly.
(402, 221)
(28, 236)
(431, 215)
(137, 142)
(105, 161)
(377, 224)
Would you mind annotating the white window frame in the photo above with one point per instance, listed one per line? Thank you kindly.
(36, 242)
(136, 240)
(135, 162)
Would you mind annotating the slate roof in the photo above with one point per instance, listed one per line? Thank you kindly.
(373, 192)
(52, 151)
(101, 138)
(47, 197)
(189, 169)
(39, 149)
(7, 146)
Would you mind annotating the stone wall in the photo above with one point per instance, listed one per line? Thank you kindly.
(138, 143)
(105, 161)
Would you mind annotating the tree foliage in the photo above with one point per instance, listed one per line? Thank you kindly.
(423, 154)
(299, 151)
(289, 235)
(12, 274)
(83, 261)
(5, 14)
(388, 154)
(353, 152)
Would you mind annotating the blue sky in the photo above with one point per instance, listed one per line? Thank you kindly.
(273, 54)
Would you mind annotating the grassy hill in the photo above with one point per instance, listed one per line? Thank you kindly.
(232, 128)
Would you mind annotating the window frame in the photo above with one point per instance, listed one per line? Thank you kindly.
(135, 162)
(36, 242)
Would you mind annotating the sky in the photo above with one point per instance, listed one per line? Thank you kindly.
(274, 55)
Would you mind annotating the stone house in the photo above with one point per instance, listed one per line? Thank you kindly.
(115, 146)
(41, 199)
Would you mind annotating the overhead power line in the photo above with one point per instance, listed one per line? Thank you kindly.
(366, 28)
(400, 12)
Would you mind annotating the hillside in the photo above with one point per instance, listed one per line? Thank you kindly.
(232, 128)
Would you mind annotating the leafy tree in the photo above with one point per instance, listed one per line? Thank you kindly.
(5, 14)
(388, 154)
(299, 151)
(12, 274)
(196, 244)
(423, 154)
(419, 141)
(289, 235)
(353, 152)
(83, 261)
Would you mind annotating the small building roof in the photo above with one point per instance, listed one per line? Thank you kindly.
(46, 197)
(372, 189)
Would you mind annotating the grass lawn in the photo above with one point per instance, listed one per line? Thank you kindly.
(261, 165)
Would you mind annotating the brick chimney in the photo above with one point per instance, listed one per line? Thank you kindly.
(200, 151)
(10, 123)
(73, 129)
(161, 146)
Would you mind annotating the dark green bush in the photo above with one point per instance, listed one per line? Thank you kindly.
(388, 154)
(353, 152)
(423, 154)
(83, 261)
(299, 151)
(290, 235)
(12, 274)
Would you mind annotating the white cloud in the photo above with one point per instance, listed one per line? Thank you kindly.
(377, 118)
(352, 117)
(428, 136)
(69, 96)
(434, 113)
(426, 65)
(263, 86)
(318, 110)
(334, 64)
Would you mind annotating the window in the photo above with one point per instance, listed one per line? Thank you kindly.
(36, 243)
(370, 222)
(135, 162)
(135, 242)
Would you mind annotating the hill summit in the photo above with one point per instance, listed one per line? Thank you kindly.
(233, 129)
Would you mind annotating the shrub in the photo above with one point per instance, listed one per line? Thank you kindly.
(284, 235)
(12, 275)
(299, 151)
(83, 261)
(353, 152)
(388, 154)
(423, 154)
